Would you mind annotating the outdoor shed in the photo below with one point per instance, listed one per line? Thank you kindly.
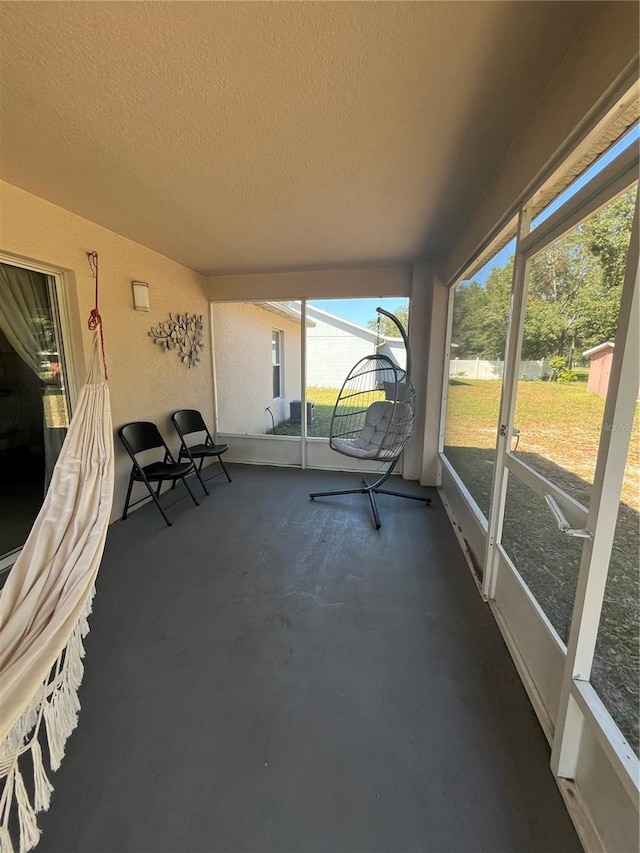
(599, 367)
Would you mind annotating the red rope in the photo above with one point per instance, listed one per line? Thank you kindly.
(95, 320)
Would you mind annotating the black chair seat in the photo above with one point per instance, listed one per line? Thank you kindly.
(190, 421)
(164, 471)
(198, 450)
(139, 437)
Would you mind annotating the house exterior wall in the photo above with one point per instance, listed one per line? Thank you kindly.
(145, 382)
(332, 350)
(396, 351)
(334, 346)
(244, 377)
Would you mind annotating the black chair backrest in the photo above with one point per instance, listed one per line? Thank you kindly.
(189, 420)
(141, 435)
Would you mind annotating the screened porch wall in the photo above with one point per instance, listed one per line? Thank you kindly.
(602, 798)
(402, 280)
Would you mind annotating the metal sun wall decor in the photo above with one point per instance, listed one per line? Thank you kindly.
(183, 333)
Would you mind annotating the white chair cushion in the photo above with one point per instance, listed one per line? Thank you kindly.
(368, 442)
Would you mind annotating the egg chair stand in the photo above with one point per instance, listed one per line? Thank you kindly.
(371, 490)
(373, 419)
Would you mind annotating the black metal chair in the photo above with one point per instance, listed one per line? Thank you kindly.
(190, 421)
(138, 437)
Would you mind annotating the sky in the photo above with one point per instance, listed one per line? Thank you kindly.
(358, 311)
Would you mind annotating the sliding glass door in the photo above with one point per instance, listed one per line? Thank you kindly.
(34, 398)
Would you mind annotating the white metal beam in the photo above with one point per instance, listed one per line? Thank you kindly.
(507, 408)
(576, 513)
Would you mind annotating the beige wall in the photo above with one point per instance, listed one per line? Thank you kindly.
(600, 55)
(244, 379)
(145, 383)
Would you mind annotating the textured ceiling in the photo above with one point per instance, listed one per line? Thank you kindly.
(261, 136)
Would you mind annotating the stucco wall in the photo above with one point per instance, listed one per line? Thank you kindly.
(145, 383)
(242, 352)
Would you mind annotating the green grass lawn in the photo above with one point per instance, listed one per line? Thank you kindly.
(559, 423)
(559, 434)
(324, 400)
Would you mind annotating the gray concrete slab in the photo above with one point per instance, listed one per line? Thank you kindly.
(272, 675)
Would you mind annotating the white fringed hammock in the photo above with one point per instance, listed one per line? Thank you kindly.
(44, 608)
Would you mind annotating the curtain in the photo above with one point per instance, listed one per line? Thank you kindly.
(44, 607)
(25, 319)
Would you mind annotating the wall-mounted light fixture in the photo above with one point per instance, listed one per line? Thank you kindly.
(140, 295)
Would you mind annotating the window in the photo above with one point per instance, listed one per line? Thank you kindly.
(276, 361)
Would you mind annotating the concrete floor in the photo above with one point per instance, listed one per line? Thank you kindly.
(272, 675)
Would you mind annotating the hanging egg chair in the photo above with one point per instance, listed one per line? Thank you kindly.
(373, 418)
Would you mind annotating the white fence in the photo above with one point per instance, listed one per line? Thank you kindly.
(479, 368)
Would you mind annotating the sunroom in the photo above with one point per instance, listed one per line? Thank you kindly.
(274, 172)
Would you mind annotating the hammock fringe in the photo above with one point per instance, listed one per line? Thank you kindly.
(57, 705)
(5, 841)
(29, 832)
(44, 610)
(42, 785)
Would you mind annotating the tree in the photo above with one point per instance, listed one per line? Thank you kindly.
(607, 235)
(573, 296)
(575, 285)
(556, 278)
(388, 328)
(481, 315)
